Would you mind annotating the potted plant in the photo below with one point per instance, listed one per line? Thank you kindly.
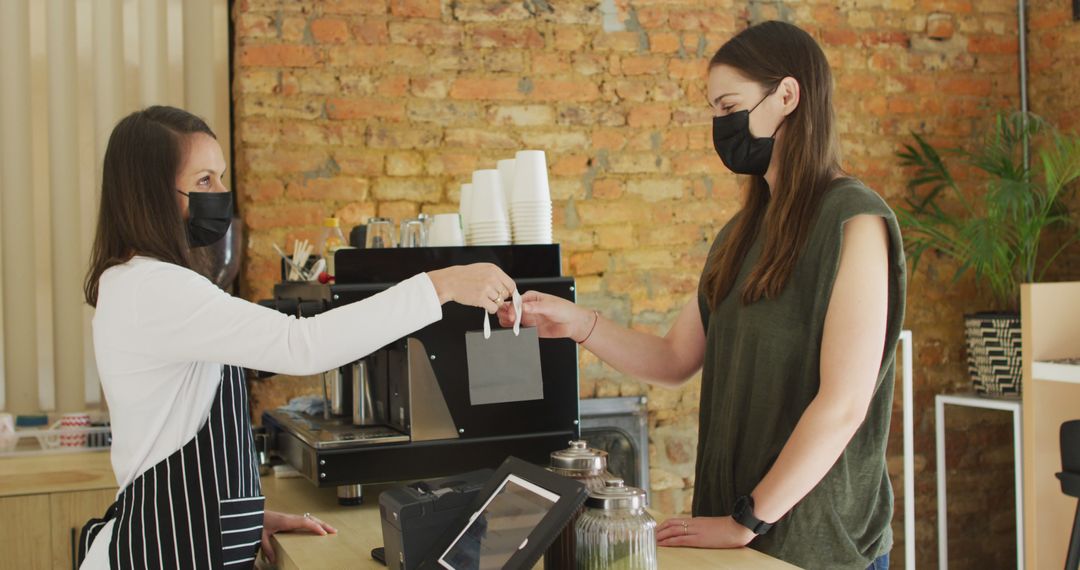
(1008, 230)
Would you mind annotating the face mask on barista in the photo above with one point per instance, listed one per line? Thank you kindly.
(739, 149)
(209, 216)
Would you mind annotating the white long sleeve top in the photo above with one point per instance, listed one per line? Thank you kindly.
(162, 334)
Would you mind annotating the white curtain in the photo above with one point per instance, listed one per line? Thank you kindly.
(70, 70)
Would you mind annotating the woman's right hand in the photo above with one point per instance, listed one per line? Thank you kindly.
(553, 317)
(481, 285)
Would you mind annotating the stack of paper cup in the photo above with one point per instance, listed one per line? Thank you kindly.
(464, 206)
(487, 222)
(506, 177)
(530, 199)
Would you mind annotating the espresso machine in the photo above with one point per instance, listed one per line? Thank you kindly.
(410, 410)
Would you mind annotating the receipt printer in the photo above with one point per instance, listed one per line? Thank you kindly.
(416, 515)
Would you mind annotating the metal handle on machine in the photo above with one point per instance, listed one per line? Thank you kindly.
(363, 406)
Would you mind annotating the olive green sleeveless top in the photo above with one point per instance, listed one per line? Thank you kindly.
(761, 371)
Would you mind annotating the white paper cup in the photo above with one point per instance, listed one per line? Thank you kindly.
(487, 201)
(530, 177)
(446, 231)
(506, 178)
(465, 207)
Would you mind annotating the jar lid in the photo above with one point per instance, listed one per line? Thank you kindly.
(579, 457)
(616, 496)
(330, 222)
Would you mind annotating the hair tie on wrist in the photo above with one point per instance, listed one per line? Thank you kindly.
(596, 319)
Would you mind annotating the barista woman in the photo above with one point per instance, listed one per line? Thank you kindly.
(171, 347)
(795, 323)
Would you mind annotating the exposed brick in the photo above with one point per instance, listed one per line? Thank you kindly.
(330, 30)
(657, 190)
(617, 41)
(251, 26)
(318, 189)
(615, 237)
(398, 210)
(407, 189)
(451, 163)
(702, 20)
(607, 189)
(482, 88)
(570, 165)
(393, 86)
(555, 141)
(355, 213)
(501, 36)
(649, 115)
(359, 161)
(479, 138)
(652, 17)
(569, 39)
(293, 28)
(263, 190)
(487, 11)
(992, 44)
(277, 55)
(366, 7)
(407, 136)
(523, 115)
(404, 163)
(429, 87)
(416, 8)
(506, 61)
(550, 64)
(589, 263)
(664, 42)
(365, 109)
(970, 86)
(424, 33)
(560, 90)
(260, 217)
(370, 31)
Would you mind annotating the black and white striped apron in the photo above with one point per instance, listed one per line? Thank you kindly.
(201, 507)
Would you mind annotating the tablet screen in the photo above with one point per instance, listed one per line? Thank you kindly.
(501, 527)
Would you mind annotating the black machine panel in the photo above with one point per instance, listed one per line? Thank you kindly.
(445, 340)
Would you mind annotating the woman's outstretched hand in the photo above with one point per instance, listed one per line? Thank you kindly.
(553, 317)
(481, 285)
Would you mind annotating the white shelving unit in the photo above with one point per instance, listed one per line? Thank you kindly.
(1057, 370)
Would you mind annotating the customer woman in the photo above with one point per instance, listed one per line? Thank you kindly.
(171, 347)
(796, 322)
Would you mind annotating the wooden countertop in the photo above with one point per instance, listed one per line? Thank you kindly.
(56, 473)
(359, 531)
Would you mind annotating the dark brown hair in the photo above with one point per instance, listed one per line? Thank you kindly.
(139, 214)
(767, 53)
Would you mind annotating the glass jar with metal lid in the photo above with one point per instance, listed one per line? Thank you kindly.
(584, 464)
(615, 531)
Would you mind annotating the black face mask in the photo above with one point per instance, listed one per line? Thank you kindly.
(741, 151)
(209, 216)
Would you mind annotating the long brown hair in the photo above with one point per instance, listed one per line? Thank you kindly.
(139, 214)
(809, 159)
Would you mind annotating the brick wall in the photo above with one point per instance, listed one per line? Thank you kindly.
(1053, 55)
(364, 107)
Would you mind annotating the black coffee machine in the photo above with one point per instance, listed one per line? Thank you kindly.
(409, 416)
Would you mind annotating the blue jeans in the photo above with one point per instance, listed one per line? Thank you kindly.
(882, 563)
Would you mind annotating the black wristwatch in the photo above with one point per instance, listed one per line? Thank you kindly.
(744, 515)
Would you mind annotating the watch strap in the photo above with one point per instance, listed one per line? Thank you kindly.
(744, 515)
